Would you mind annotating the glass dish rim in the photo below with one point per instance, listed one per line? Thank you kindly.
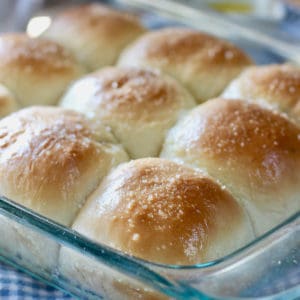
(135, 268)
(45, 225)
(186, 14)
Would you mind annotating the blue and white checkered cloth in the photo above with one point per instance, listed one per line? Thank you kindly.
(15, 285)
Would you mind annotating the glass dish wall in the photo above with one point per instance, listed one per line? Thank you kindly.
(266, 269)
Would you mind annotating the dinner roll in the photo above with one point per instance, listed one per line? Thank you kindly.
(8, 103)
(162, 212)
(277, 86)
(139, 105)
(96, 34)
(254, 151)
(51, 159)
(202, 63)
(36, 71)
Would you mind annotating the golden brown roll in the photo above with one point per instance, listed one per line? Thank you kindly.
(8, 103)
(138, 104)
(36, 71)
(51, 159)
(277, 86)
(254, 151)
(202, 63)
(96, 34)
(162, 212)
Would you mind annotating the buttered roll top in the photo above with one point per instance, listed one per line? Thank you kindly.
(140, 105)
(164, 212)
(51, 159)
(96, 34)
(254, 151)
(36, 71)
(202, 63)
(276, 86)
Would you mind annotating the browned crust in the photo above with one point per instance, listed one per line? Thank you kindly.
(133, 94)
(160, 211)
(178, 45)
(246, 138)
(100, 19)
(277, 84)
(46, 152)
(34, 56)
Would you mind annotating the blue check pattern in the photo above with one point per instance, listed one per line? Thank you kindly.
(15, 285)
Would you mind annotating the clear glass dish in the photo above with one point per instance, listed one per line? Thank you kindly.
(263, 44)
(268, 268)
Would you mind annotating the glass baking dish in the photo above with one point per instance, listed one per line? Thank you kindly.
(251, 34)
(268, 268)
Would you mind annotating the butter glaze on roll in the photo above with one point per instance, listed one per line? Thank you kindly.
(51, 159)
(96, 34)
(159, 211)
(35, 71)
(139, 105)
(8, 103)
(202, 63)
(277, 86)
(253, 151)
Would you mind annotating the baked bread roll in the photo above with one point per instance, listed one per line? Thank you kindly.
(139, 105)
(51, 159)
(254, 151)
(159, 211)
(202, 63)
(35, 71)
(277, 86)
(8, 103)
(96, 34)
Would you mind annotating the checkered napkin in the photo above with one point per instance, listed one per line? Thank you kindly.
(15, 285)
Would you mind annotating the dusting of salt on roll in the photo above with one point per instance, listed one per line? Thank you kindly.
(252, 150)
(274, 86)
(202, 63)
(139, 105)
(36, 71)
